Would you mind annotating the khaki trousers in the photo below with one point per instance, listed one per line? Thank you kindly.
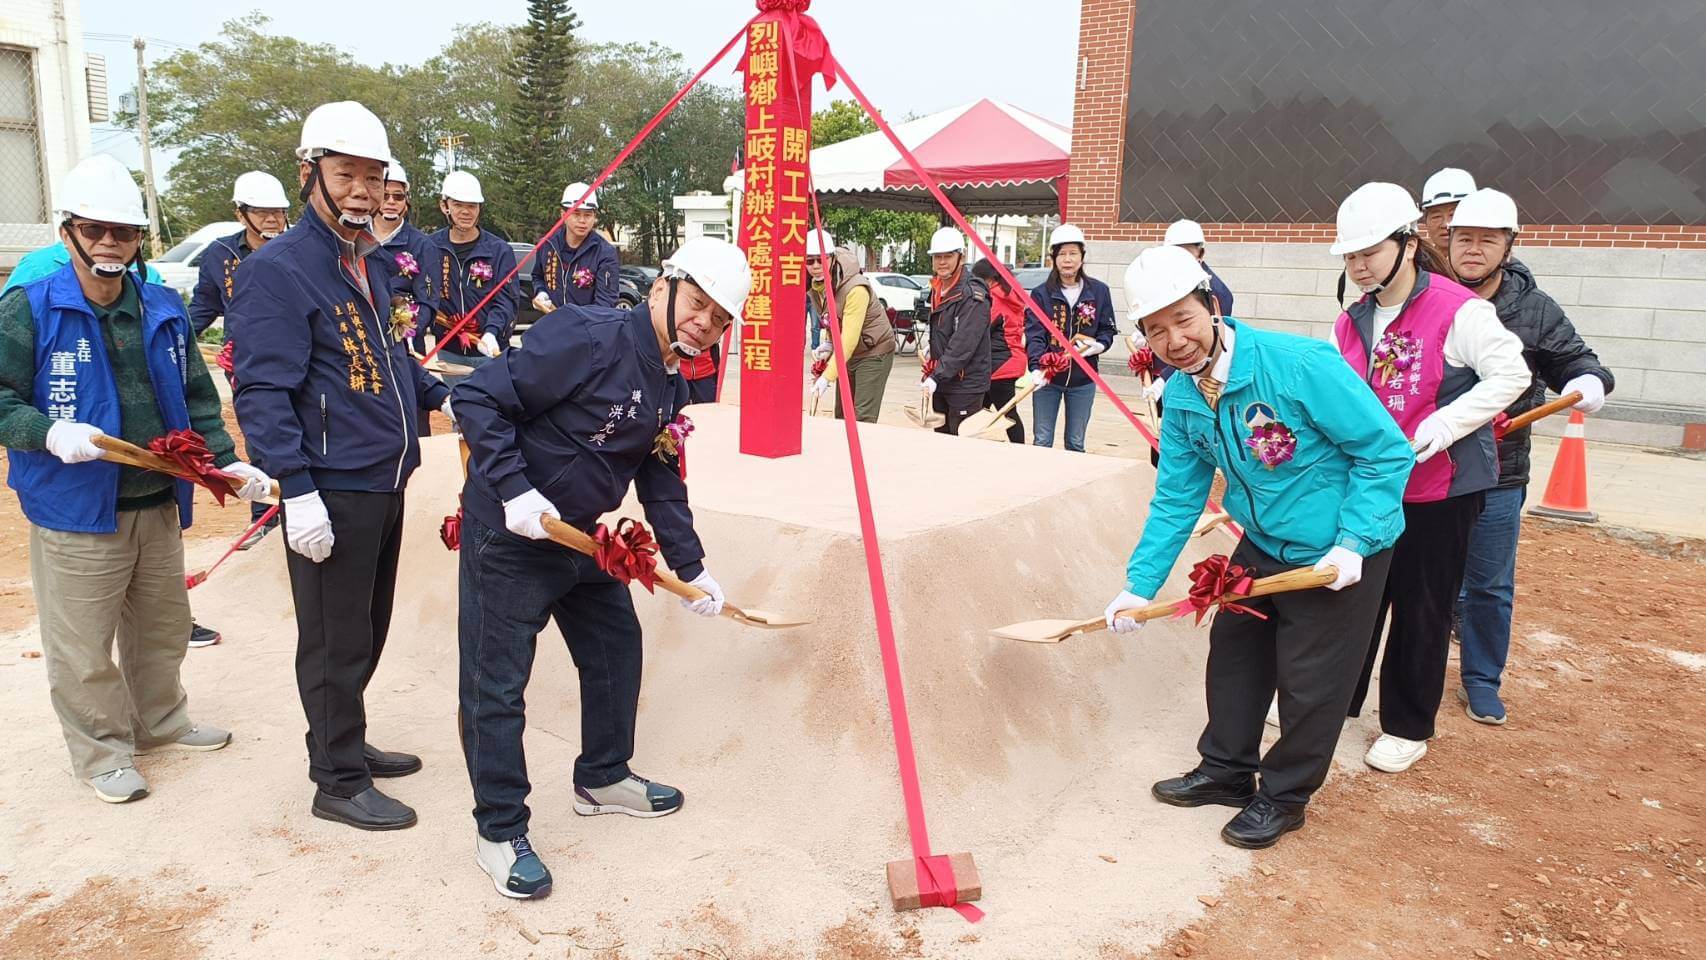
(91, 588)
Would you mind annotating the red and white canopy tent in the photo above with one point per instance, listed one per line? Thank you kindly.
(990, 157)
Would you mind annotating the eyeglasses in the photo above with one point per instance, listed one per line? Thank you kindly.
(93, 232)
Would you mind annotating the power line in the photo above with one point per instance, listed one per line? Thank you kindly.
(117, 38)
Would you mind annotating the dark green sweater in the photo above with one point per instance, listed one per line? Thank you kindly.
(23, 427)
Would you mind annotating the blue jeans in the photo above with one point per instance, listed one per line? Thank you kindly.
(1489, 584)
(509, 588)
(1045, 405)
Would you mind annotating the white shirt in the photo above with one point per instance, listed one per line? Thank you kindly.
(1477, 340)
(1071, 293)
(1222, 364)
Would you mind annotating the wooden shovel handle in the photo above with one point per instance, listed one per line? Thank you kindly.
(1543, 411)
(580, 542)
(1303, 578)
(131, 455)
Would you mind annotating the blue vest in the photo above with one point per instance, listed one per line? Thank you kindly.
(74, 381)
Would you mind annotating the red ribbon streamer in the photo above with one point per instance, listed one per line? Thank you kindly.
(450, 531)
(1055, 364)
(628, 553)
(193, 580)
(187, 450)
(1501, 425)
(226, 360)
(929, 366)
(818, 367)
(1141, 359)
(1213, 581)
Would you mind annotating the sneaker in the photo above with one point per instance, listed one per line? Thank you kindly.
(201, 636)
(1395, 754)
(635, 796)
(120, 786)
(1482, 705)
(516, 871)
(199, 738)
(1273, 714)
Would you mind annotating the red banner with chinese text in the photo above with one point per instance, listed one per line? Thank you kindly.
(773, 232)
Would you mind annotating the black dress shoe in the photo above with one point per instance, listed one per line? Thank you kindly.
(1261, 824)
(367, 810)
(384, 763)
(1197, 788)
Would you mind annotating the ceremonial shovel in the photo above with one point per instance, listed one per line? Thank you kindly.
(1541, 412)
(1054, 631)
(924, 415)
(985, 421)
(131, 455)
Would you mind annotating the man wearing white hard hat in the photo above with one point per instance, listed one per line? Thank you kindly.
(85, 353)
(1083, 310)
(1441, 364)
(1440, 197)
(560, 428)
(327, 395)
(468, 263)
(1314, 472)
(414, 291)
(1188, 234)
(957, 374)
(1483, 230)
(577, 265)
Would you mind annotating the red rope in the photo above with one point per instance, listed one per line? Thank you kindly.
(193, 580)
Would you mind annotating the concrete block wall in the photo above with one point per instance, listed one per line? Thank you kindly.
(1642, 310)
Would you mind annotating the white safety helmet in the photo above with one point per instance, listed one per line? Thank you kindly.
(260, 190)
(1160, 277)
(344, 127)
(394, 173)
(1447, 186)
(1373, 212)
(813, 249)
(461, 185)
(717, 267)
(573, 192)
(101, 189)
(1063, 234)
(1486, 208)
(947, 240)
(1183, 233)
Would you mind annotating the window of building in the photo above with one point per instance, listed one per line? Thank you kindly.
(24, 198)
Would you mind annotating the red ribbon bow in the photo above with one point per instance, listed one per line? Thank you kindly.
(807, 44)
(1214, 582)
(226, 360)
(187, 451)
(450, 531)
(1055, 364)
(629, 553)
(1501, 425)
(1141, 359)
(818, 367)
(929, 368)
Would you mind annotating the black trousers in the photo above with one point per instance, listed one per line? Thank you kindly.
(1001, 391)
(1155, 451)
(1309, 648)
(956, 408)
(1427, 572)
(343, 612)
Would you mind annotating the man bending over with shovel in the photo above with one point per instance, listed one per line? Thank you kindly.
(1315, 472)
(559, 429)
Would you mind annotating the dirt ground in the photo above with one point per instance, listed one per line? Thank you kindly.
(1575, 830)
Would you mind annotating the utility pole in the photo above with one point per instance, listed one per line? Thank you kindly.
(450, 141)
(154, 250)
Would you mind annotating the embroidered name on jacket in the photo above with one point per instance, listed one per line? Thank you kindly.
(352, 336)
(618, 413)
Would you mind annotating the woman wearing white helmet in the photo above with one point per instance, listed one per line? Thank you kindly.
(1083, 309)
(562, 427)
(1314, 471)
(867, 337)
(1442, 365)
(956, 376)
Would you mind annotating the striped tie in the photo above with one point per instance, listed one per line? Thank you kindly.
(1210, 388)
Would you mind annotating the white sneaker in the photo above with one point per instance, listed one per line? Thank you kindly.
(1273, 714)
(1395, 754)
(200, 738)
(119, 786)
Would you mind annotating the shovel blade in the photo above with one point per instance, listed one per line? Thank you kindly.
(763, 619)
(981, 421)
(929, 419)
(1038, 631)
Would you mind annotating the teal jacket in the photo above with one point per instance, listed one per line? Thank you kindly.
(1344, 485)
(46, 262)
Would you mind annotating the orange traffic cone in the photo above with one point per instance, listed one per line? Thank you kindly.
(1567, 490)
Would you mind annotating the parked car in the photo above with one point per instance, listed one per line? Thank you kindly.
(897, 290)
(1031, 277)
(922, 279)
(627, 292)
(180, 266)
(641, 275)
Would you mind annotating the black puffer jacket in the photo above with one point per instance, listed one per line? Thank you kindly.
(1555, 354)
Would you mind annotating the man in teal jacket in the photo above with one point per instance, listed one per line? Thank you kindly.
(1315, 472)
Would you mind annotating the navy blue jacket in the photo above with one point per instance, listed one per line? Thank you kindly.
(573, 413)
(1221, 292)
(459, 293)
(423, 286)
(217, 279)
(1097, 325)
(325, 396)
(556, 265)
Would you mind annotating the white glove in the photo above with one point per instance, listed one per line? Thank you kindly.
(523, 515)
(256, 485)
(710, 605)
(489, 344)
(1592, 390)
(1432, 436)
(1038, 378)
(1347, 562)
(73, 442)
(1125, 601)
(1136, 340)
(1088, 347)
(928, 386)
(445, 409)
(821, 386)
(823, 351)
(542, 302)
(307, 526)
(1025, 381)
(1153, 390)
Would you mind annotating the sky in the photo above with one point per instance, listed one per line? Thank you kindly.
(908, 56)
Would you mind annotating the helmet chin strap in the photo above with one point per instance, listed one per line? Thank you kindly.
(1213, 353)
(248, 224)
(681, 349)
(344, 219)
(105, 270)
(1397, 264)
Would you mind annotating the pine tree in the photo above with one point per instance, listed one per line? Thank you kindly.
(535, 160)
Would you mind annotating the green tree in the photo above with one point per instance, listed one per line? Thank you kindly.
(871, 229)
(534, 160)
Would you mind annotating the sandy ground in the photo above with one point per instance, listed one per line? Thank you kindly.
(1572, 831)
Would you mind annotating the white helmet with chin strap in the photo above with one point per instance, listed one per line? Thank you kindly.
(1450, 185)
(715, 266)
(102, 190)
(947, 240)
(1160, 277)
(1371, 215)
(343, 127)
(1064, 234)
(258, 190)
